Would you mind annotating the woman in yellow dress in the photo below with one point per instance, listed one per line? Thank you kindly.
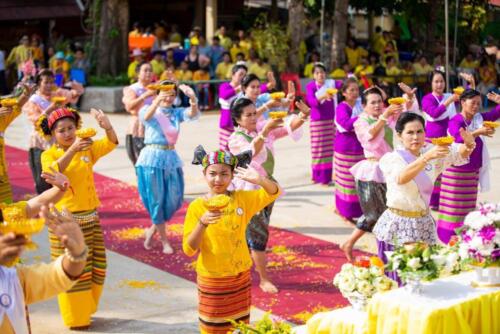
(9, 110)
(217, 234)
(75, 157)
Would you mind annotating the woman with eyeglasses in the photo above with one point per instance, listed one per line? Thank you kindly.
(259, 137)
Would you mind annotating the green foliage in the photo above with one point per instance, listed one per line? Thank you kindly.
(271, 41)
(263, 326)
(109, 81)
(113, 32)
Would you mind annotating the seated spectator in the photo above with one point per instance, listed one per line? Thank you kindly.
(192, 58)
(244, 42)
(216, 54)
(157, 64)
(184, 73)
(223, 69)
(169, 73)
(203, 47)
(391, 70)
(202, 89)
(341, 72)
(469, 62)
(36, 51)
(137, 30)
(240, 57)
(308, 69)
(422, 69)
(390, 51)
(174, 36)
(408, 74)
(236, 49)
(487, 76)
(60, 67)
(194, 36)
(169, 58)
(138, 58)
(353, 53)
(364, 67)
(252, 58)
(260, 68)
(225, 41)
(80, 63)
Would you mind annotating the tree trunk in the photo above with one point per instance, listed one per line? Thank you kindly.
(296, 19)
(339, 36)
(112, 52)
(274, 11)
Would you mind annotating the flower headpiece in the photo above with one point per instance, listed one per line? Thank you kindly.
(45, 124)
(201, 157)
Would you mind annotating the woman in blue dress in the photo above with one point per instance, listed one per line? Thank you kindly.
(159, 169)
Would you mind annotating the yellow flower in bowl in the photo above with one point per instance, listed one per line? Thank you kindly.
(11, 102)
(397, 100)
(458, 90)
(490, 124)
(277, 95)
(331, 91)
(278, 114)
(58, 99)
(86, 133)
(217, 202)
(443, 141)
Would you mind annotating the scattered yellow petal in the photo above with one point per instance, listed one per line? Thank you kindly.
(176, 228)
(132, 233)
(140, 284)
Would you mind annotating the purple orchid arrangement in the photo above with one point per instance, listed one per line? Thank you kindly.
(480, 236)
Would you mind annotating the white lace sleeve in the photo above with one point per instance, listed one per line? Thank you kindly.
(454, 157)
(391, 165)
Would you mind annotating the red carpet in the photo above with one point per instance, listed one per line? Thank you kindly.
(303, 270)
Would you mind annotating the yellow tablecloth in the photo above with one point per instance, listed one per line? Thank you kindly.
(447, 306)
(340, 321)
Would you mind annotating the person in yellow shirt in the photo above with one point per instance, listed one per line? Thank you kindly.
(391, 70)
(422, 69)
(60, 66)
(136, 31)
(202, 89)
(158, 64)
(217, 235)
(183, 73)
(259, 68)
(309, 68)
(223, 69)
(469, 62)
(19, 54)
(131, 71)
(364, 66)
(236, 49)
(408, 74)
(354, 53)
(25, 285)
(7, 116)
(75, 155)
(225, 41)
(36, 51)
(341, 72)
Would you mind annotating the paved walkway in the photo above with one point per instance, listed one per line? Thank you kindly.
(171, 307)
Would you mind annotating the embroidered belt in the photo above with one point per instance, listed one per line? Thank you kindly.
(161, 147)
(410, 214)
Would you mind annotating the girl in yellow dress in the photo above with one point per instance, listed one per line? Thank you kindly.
(216, 232)
(75, 156)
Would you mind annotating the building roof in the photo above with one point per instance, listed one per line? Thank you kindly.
(13, 10)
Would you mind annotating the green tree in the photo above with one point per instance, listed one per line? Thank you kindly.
(272, 41)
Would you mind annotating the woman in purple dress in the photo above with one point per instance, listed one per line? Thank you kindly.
(460, 183)
(322, 125)
(347, 152)
(438, 108)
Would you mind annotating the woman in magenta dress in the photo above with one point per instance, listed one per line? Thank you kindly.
(322, 126)
(347, 151)
(460, 183)
(438, 108)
